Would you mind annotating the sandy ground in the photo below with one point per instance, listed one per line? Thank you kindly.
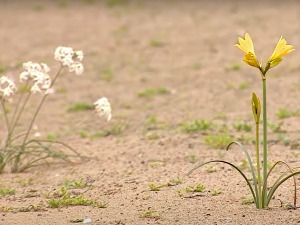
(185, 48)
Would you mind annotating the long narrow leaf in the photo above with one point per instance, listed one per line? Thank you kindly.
(250, 164)
(278, 180)
(235, 167)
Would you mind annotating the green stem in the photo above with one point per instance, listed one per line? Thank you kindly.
(40, 106)
(15, 121)
(260, 205)
(18, 104)
(23, 146)
(265, 150)
(5, 115)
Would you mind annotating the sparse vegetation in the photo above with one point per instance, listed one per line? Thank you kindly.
(149, 214)
(7, 191)
(80, 107)
(197, 126)
(218, 141)
(151, 92)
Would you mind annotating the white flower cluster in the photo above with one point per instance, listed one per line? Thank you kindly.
(38, 73)
(70, 58)
(103, 108)
(7, 87)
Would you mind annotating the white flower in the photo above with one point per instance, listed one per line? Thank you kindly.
(7, 87)
(38, 73)
(69, 58)
(103, 108)
(79, 55)
(77, 68)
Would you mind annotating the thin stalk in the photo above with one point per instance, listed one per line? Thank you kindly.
(5, 115)
(18, 104)
(15, 122)
(265, 150)
(16, 162)
(40, 106)
(260, 205)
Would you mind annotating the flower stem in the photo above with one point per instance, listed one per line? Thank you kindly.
(15, 167)
(15, 121)
(260, 205)
(5, 115)
(40, 106)
(265, 150)
(17, 106)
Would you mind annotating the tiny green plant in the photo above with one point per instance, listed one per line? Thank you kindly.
(175, 181)
(197, 126)
(20, 149)
(151, 92)
(114, 3)
(107, 73)
(218, 140)
(192, 158)
(261, 192)
(243, 127)
(65, 198)
(154, 42)
(156, 187)
(149, 214)
(196, 188)
(215, 192)
(7, 191)
(276, 127)
(79, 107)
(75, 183)
(244, 86)
(285, 113)
(233, 67)
(25, 182)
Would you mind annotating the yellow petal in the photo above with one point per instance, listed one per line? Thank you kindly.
(275, 62)
(246, 45)
(251, 60)
(280, 50)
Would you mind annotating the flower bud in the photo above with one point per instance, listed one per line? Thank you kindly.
(256, 109)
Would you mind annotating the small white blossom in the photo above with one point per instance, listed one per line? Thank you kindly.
(77, 68)
(103, 108)
(7, 87)
(38, 73)
(79, 55)
(70, 58)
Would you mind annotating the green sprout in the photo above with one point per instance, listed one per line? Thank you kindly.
(156, 187)
(218, 141)
(285, 113)
(156, 43)
(215, 192)
(79, 107)
(66, 198)
(7, 191)
(197, 126)
(197, 188)
(149, 214)
(192, 158)
(151, 92)
(243, 127)
(258, 184)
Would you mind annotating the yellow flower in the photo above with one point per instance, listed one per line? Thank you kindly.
(281, 50)
(246, 45)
